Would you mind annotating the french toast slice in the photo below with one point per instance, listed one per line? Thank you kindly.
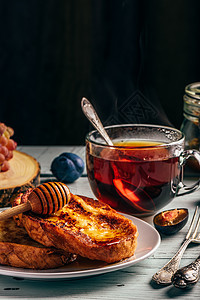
(17, 249)
(86, 227)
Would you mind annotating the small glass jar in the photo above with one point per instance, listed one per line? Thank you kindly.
(191, 123)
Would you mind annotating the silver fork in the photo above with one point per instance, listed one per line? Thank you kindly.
(164, 275)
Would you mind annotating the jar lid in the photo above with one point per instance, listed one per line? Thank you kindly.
(193, 90)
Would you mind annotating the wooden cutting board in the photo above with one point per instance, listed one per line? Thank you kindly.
(24, 172)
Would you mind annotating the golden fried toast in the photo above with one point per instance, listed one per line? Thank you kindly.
(86, 227)
(17, 249)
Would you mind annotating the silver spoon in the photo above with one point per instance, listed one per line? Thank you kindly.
(92, 116)
(187, 276)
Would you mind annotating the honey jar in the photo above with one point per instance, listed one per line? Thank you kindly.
(191, 123)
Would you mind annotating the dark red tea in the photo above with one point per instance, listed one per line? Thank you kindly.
(131, 183)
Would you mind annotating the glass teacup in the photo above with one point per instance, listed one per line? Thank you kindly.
(142, 172)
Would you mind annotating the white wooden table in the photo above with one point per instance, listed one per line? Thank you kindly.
(130, 283)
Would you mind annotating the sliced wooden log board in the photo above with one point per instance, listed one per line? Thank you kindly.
(24, 172)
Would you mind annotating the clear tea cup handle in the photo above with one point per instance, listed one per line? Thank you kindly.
(182, 160)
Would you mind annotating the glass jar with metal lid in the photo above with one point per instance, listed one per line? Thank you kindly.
(191, 123)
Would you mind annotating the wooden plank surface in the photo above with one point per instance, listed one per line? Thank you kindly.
(130, 283)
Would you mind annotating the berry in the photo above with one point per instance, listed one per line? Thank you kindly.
(3, 140)
(5, 166)
(11, 145)
(2, 158)
(4, 150)
(67, 167)
(10, 131)
(2, 128)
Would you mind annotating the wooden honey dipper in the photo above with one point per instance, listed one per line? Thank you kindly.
(45, 199)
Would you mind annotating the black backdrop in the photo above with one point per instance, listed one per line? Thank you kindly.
(131, 58)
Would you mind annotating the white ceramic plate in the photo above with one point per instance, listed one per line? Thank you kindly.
(148, 242)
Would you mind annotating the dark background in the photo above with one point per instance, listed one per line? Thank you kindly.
(131, 58)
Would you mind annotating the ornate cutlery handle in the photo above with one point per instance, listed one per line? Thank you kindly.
(187, 276)
(164, 275)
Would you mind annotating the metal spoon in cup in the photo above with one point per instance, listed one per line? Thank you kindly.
(92, 116)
